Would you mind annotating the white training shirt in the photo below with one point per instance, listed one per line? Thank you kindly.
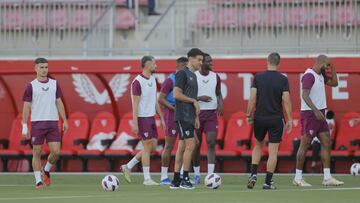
(317, 92)
(147, 103)
(207, 87)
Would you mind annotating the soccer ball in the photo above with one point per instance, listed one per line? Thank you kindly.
(212, 181)
(110, 183)
(355, 169)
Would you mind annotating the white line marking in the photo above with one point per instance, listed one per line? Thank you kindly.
(51, 197)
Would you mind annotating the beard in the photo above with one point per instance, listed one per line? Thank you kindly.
(323, 70)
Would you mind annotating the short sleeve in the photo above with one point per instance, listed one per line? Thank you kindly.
(218, 83)
(27, 97)
(180, 79)
(58, 91)
(286, 85)
(254, 84)
(167, 86)
(136, 88)
(307, 81)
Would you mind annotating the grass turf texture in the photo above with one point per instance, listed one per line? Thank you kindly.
(87, 189)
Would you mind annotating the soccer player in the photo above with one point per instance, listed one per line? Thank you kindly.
(313, 123)
(211, 103)
(269, 90)
(186, 116)
(144, 106)
(43, 97)
(166, 99)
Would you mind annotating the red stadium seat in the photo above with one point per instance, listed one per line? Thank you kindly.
(228, 18)
(104, 122)
(345, 15)
(35, 19)
(320, 15)
(347, 133)
(76, 136)
(296, 16)
(123, 2)
(237, 130)
(274, 16)
(58, 19)
(124, 19)
(12, 19)
(205, 18)
(251, 17)
(286, 148)
(81, 19)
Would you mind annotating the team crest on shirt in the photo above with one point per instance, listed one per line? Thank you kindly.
(45, 89)
(311, 132)
(173, 132)
(191, 78)
(146, 134)
(187, 133)
(205, 81)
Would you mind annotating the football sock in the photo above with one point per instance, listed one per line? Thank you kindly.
(146, 171)
(254, 168)
(132, 163)
(211, 168)
(164, 173)
(197, 170)
(47, 167)
(37, 176)
(268, 178)
(298, 174)
(327, 174)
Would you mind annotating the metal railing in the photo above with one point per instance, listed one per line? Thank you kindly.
(104, 28)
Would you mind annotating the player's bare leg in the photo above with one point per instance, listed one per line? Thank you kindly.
(188, 154)
(175, 184)
(325, 142)
(300, 159)
(126, 168)
(255, 160)
(271, 165)
(36, 164)
(52, 159)
(196, 158)
(149, 146)
(165, 159)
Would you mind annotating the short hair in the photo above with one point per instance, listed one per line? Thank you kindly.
(182, 60)
(205, 55)
(330, 114)
(145, 59)
(40, 60)
(274, 58)
(195, 52)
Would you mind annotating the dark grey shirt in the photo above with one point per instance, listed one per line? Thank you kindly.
(186, 80)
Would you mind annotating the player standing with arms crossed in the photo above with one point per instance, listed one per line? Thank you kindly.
(313, 123)
(143, 94)
(43, 97)
(211, 103)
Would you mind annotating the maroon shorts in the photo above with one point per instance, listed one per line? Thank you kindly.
(208, 121)
(147, 128)
(311, 126)
(171, 127)
(51, 134)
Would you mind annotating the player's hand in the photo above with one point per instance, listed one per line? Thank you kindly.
(250, 120)
(135, 129)
(319, 115)
(205, 98)
(25, 131)
(220, 109)
(65, 126)
(197, 122)
(288, 126)
(197, 108)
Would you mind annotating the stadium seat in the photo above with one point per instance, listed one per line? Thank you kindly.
(320, 16)
(345, 15)
(286, 148)
(274, 17)
(347, 136)
(237, 136)
(219, 138)
(123, 2)
(12, 19)
(58, 19)
(296, 16)
(228, 18)
(35, 19)
(81, 19)
(251, 17)
(205, 18)
(104, 122)
(124, 19)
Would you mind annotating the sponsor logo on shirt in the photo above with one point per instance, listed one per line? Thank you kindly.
(191, 78)
(45, 89)
(205, 81)
(150, 84)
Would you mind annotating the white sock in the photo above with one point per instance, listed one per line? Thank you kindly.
(327, 174)
(37, 177)
(48, 167)
(164, 173)
(132, 163)
(298, 175)
(211, 168)
(197, 170)
(146, 171)
(182, 170)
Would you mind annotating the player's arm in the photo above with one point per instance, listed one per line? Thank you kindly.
(288, 109)
(25, 115)
(220, 99)
(251, 105)
(159, 113)
(164, 92)
(333, 80)
(61, 109)
(306, 96)
(135, 105)
(162, 101)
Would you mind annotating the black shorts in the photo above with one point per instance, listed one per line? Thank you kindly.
(186, 129)
(274, 128)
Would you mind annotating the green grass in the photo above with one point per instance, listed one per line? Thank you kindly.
(87, 188)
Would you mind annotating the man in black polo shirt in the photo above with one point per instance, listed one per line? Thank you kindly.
(186, 117)
(270, 88)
